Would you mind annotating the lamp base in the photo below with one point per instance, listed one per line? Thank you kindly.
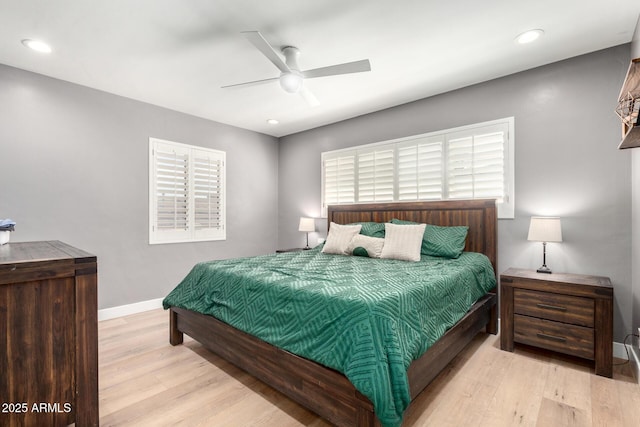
(544, 269)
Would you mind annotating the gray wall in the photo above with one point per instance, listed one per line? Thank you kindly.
(566, 163)
(635, 159)
(74, 167)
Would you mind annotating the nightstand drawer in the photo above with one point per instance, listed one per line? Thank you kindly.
(556, 336)
(562, 308)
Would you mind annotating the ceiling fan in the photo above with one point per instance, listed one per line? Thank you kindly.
(291, 77)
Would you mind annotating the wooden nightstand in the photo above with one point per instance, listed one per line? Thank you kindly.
(568, 313)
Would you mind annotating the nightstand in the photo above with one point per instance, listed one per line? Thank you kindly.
(567, 313)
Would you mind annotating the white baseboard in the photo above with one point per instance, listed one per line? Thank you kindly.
(634, 355)
(125, 310)
(619, 351)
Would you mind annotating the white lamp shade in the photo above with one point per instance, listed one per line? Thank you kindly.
(307, 224)
(545, 229)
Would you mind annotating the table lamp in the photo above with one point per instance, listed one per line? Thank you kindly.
(308, 225)
(545, 229)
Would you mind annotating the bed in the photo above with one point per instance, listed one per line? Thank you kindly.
(327, 391)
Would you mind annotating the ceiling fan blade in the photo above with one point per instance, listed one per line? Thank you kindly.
(309, 97)
(332, 70)
(263, 46)
(252, 83)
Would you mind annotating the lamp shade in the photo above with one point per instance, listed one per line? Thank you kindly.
(307, 224)
(545, 229)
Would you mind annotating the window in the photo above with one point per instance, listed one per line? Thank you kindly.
(186, 193)
(470, 162)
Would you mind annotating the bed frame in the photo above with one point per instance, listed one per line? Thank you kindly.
(328, 392)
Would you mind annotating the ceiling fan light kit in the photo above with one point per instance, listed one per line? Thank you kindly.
(291, 77)
(291, 81)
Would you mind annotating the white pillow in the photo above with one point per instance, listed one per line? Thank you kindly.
(402, 241)
(373, 245)
(339, 238)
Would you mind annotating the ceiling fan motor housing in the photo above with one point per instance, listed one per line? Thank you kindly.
(291, 81)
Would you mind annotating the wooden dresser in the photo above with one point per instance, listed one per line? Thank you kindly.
(48, 335)
(568, 313)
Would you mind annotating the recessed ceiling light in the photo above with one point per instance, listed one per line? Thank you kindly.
(529, 36)
(273, 121)
(37, 45)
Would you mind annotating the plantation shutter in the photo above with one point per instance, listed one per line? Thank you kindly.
(339, 179)
(208, 193)
(186, 193)
(420, 170)
(376, 175)
(476, 165)
(469, 162)
(171, 190)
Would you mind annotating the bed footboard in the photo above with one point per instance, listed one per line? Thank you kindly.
(324, 391)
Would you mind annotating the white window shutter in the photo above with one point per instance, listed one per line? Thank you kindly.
(420, 170)
(338, 180)
(376, 175)
(469, 162)
(186, 193)
(488, 166)
(460, 168)
(208, 194)
(476, 166)
(170, 192)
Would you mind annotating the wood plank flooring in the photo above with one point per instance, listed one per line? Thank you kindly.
(144, 381)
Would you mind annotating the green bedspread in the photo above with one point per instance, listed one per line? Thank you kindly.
(367, 318)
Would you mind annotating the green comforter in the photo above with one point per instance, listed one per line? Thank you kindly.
(367, 318)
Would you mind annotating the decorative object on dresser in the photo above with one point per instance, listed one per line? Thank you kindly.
(545, 229)
(6, 227)
(48, 334)
(307, 225)
(568, 313)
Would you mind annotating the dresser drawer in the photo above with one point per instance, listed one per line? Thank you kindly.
(551, 306)
(556, 336)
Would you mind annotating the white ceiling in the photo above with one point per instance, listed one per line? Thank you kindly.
(178, 53)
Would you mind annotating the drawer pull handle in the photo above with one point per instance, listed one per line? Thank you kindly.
(551, 337)
(552, 307)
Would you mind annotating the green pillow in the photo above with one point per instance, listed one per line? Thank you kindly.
(446, 242)
(360, 251)
(371, 229)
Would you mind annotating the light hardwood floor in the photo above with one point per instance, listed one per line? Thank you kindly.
(144, 381)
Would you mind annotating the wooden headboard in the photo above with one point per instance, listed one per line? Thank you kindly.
(479, 215)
